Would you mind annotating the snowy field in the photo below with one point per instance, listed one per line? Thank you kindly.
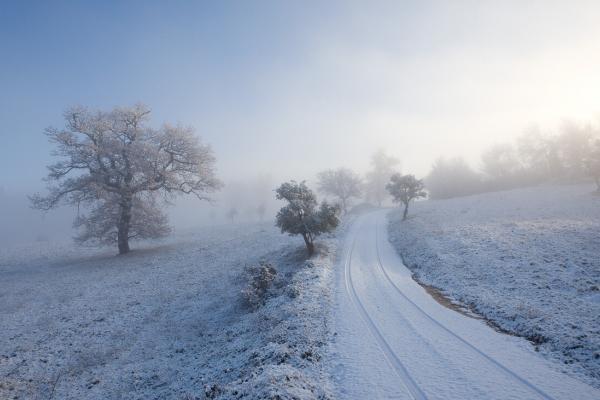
(528, 260)
(166, 321)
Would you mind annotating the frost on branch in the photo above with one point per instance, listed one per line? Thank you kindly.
(122, 171)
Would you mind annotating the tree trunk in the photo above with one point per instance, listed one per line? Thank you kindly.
(123, 227)
(405, 211)
(309, 244)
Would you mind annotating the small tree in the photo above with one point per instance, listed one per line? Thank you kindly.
(301, 215)
(261, 210)
(232, 213)
(404, 188)
(341, 183)
(212, 215)
(118, 168)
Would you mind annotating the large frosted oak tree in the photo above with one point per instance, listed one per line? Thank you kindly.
(121, 171)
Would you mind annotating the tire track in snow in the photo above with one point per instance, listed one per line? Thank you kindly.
(494, 362)
(415, 392)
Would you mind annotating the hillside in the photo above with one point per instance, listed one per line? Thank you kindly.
(166, 321)
(527, 260)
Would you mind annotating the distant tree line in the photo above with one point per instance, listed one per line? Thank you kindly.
(570, 155)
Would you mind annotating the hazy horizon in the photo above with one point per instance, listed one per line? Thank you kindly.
(289, 89)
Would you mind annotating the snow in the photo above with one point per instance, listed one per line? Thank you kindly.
(394, 341)
(527, 260)
(165, 321)
(168, 320)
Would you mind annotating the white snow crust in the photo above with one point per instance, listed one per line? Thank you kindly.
(165, 321)
(528, 260)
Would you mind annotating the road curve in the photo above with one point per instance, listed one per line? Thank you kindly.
(393, 341)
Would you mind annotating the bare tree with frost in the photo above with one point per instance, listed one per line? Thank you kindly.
(301, 216)
(382, 168)
(122, 171)
(405, 188)
(341, 183)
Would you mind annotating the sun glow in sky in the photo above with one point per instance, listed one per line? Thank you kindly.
(289, 88)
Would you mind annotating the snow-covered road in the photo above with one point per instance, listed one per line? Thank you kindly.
(392, 340)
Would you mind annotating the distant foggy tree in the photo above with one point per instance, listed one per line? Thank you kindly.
(261, 210)
(212, 215)
(574, 145)
(302, 215)
(405, 188)
(538, 153)
(500, 162)
(451, 178)
(122, 171)
(593, 163)
(232, 213)
(382, 168)
(341, 183)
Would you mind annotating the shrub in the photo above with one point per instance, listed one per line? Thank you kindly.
(260, 279)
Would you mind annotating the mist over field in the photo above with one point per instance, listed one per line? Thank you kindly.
(300, 200)
(284, 91)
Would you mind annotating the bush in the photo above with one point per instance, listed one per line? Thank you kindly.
(260, 279)
(301, 215)
(452, 178)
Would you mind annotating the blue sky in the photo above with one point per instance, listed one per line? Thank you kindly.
(192, 62)
(289, 88)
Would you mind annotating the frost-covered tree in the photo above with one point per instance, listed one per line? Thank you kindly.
(341, 183)
(382, 168)
(121, 171)
(405, 188)
(302, 215)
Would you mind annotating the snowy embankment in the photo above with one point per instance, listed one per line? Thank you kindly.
(166, 321)
(528, 260)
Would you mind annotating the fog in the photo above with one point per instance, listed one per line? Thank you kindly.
(282, 91)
